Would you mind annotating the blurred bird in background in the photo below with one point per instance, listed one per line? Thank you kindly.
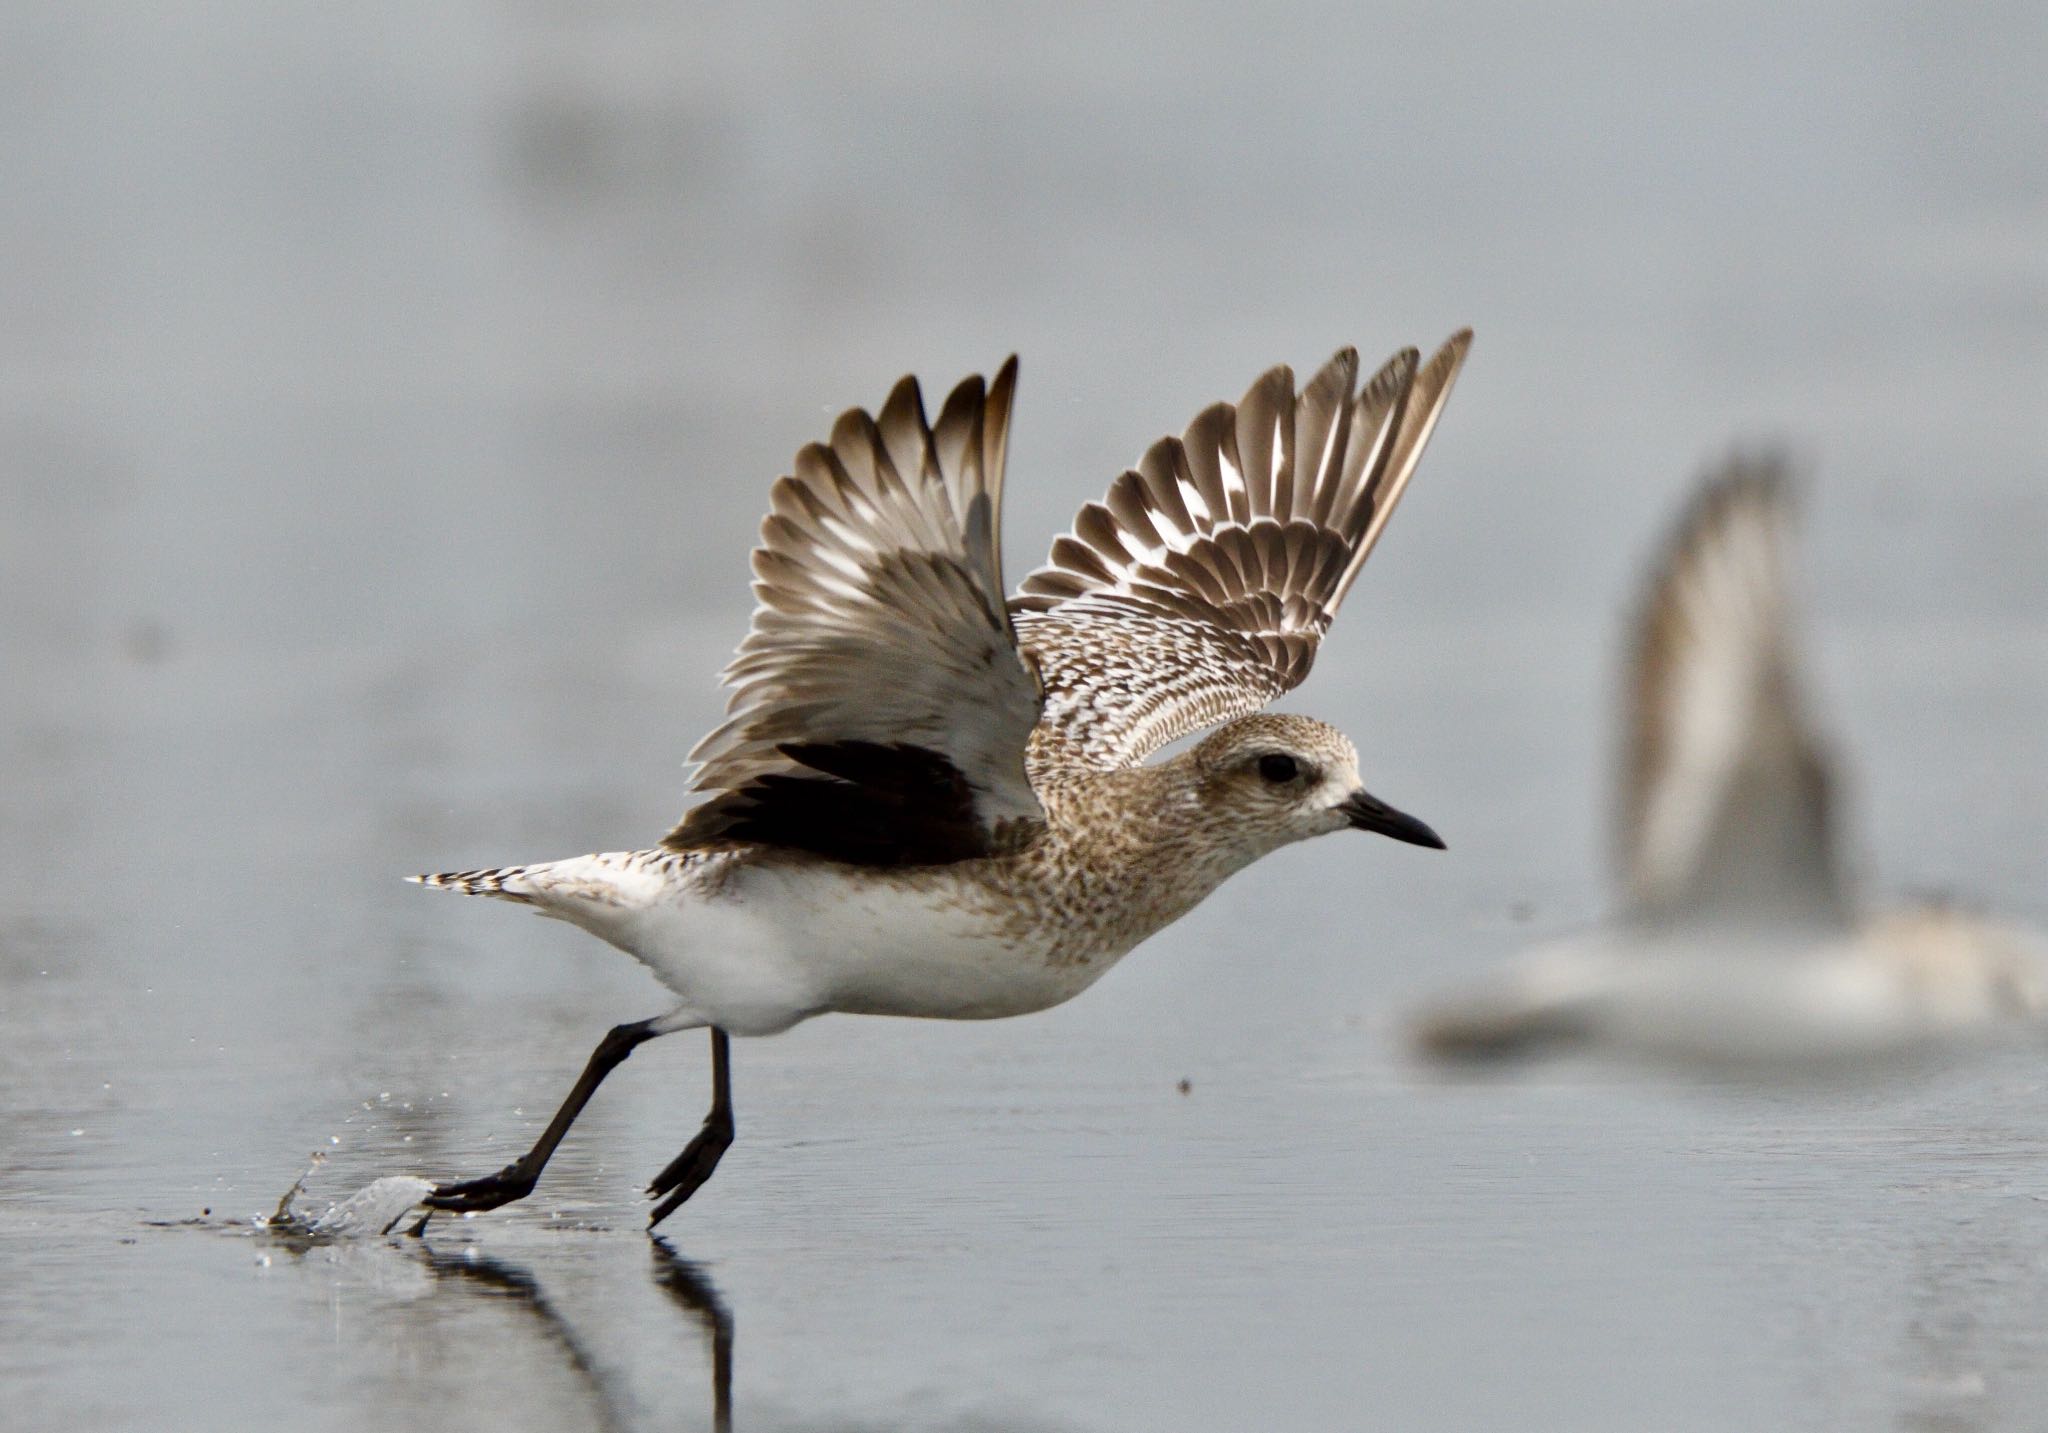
(1738, 946)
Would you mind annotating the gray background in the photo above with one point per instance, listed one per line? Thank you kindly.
(388, 394)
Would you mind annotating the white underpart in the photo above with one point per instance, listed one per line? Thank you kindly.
(759, 948)
(1752, 1004)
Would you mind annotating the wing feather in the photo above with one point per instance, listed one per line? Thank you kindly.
(1725, 788)
(880, 708)
(1199, 588)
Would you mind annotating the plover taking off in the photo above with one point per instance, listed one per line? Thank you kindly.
(929, 800)
(1738, 947)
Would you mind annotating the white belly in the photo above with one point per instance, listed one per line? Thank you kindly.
(1833, 1002)
(774, 944)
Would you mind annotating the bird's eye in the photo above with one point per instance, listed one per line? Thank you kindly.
(1278, 767)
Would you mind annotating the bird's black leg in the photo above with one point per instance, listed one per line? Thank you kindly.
(516, 1180)
(687, 1172)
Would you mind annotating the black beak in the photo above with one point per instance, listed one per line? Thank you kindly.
(1367, 812)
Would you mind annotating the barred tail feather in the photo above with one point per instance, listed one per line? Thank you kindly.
(506, 882)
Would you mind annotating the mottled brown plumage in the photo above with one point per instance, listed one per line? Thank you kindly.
(1197, 591)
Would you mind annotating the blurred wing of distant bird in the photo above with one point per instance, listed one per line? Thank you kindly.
(880, 709)
(1725, 789)
(1198, 589)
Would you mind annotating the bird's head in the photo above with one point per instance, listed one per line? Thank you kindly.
(1280, 779)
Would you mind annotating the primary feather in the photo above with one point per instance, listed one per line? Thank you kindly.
(881, 635)
(1725, 789)
(1199, 588)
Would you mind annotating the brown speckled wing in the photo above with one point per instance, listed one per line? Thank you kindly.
(1725, 787)
(879, 702)
(1198, 589)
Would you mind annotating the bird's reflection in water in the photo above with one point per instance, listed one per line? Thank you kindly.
(692, 1290)
(502, 1277)
(686, 1284)
(617, 1383)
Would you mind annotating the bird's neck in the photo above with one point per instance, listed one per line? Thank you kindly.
(1160, 853)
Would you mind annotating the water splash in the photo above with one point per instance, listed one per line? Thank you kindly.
(377, 1208)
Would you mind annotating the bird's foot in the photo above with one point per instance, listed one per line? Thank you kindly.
(687, 1172)
(510, 1183)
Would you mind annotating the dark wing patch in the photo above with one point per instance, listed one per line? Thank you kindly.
(865, 803)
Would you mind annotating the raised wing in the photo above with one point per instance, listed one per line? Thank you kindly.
(1198, 589)
(1725, 790)
(880, 710)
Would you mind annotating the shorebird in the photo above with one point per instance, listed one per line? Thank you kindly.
(1739, 946)
(930, 800)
